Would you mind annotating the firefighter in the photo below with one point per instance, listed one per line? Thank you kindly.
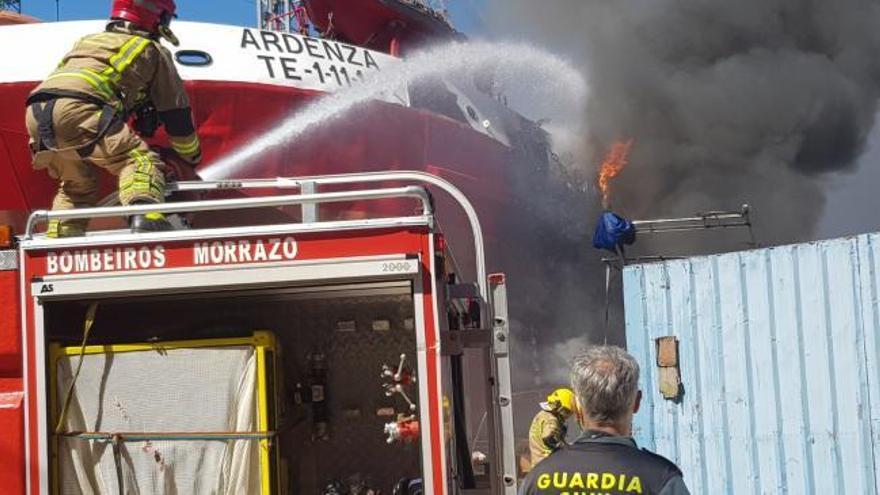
(77, 118)
(605, 459)
(548, 429)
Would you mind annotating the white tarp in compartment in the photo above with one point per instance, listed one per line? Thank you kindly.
(211, 389)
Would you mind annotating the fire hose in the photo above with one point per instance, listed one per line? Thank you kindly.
(87, 329)
(68, 395)
(176, 167)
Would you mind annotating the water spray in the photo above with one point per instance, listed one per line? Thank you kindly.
(552, 75)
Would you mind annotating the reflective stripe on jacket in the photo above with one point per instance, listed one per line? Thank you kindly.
(124, 68)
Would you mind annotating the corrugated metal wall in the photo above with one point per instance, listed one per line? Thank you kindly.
(780, 362)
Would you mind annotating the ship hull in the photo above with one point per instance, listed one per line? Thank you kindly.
(229, 115)
(254, 82)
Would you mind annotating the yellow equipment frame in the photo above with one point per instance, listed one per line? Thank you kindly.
(263, 342)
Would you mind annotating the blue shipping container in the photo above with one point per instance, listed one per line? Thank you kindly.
(779, 358)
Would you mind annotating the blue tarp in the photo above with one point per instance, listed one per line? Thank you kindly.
(613, 231)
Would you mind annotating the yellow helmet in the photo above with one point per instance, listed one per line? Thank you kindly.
(560, 400)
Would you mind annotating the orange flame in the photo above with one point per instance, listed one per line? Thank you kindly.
(616, 158)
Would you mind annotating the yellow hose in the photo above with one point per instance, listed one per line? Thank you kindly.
(87, 328)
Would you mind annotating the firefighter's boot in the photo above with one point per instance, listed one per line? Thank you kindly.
(150, 222)
(68, 229)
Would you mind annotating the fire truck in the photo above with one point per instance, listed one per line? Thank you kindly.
(315, 356)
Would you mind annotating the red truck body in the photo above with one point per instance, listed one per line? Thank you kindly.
(385, 287)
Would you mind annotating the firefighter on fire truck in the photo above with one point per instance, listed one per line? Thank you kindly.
(77, 117)
(548, 428)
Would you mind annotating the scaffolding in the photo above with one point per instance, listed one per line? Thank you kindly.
(708, 220)
(290, 16)
(287, 16)
(11, 5)
(434, 7)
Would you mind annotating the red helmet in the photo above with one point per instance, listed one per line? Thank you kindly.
(146, 14)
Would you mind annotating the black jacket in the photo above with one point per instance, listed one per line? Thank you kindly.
(600, 464)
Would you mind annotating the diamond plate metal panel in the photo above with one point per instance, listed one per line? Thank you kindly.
(356, 447)
(9, 259)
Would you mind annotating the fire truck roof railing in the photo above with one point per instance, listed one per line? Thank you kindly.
(309, 195)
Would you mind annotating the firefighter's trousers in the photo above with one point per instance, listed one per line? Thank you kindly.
(78, 149)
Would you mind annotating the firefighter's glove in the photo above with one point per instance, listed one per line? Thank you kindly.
(145, 119)
(187, 149)
(193, 159)
(553, 441)
(552, 434)
(177, 167)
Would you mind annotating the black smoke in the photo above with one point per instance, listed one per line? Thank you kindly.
(750, 101)
(753, 101)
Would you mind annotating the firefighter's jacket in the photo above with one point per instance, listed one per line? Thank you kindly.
(546, 434)
(598, 463)
(126, 68)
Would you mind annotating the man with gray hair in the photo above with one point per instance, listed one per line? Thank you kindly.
(605, 459)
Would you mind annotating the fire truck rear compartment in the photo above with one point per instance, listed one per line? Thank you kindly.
(330, 340)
